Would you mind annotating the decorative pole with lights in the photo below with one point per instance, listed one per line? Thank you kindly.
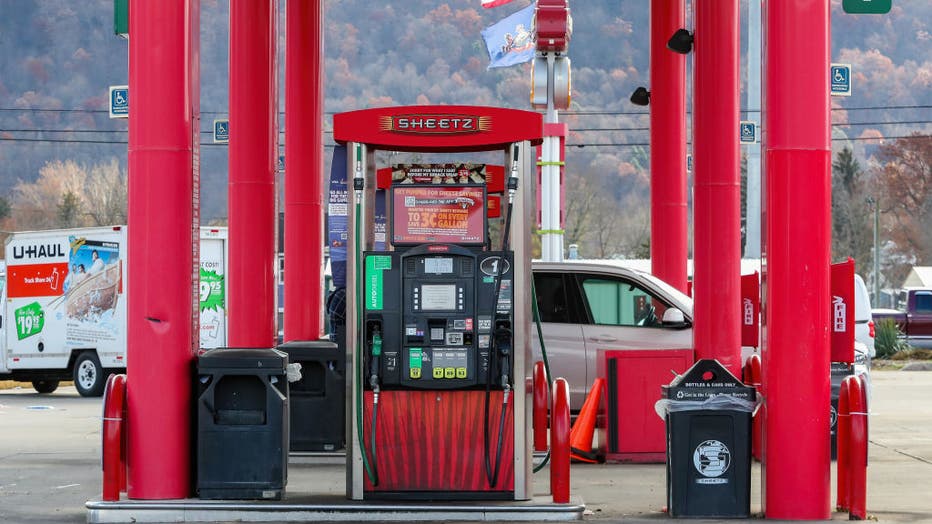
(550, 90)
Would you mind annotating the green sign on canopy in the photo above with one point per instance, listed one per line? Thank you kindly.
(867, 7)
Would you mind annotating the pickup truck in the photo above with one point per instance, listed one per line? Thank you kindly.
(913, 316)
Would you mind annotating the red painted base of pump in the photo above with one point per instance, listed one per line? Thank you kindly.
(429, 445)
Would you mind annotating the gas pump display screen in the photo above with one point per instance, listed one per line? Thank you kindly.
(438, 297)
(438, 265)
(436, 214)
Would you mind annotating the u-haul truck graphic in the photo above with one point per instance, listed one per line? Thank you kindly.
(64, 305)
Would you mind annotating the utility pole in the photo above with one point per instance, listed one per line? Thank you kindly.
(876, 206)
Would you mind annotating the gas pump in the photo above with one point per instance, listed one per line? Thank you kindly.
(438, 323)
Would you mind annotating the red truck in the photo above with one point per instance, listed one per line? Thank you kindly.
(913, 315)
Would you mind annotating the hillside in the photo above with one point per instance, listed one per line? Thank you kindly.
(57, 58)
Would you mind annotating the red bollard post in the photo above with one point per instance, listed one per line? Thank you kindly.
(540, 407)
(753, 375)
(857, 449)
(843, 430)
(560, 443)
(114, 466)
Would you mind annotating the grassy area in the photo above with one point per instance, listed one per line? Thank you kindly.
(913, 354)
(901, 358)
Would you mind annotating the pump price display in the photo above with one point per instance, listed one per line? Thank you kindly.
(437, 214)
(30, 319)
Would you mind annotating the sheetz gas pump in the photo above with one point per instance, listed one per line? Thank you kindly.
(438, 322)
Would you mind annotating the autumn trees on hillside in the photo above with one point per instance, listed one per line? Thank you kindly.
(68, 194)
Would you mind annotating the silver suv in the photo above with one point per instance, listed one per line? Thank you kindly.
(587, 306)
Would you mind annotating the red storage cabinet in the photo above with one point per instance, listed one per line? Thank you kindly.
(631, 431)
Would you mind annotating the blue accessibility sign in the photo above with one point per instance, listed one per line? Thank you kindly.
(221, 131)
(747, 132)
(840, 78)
(119, 101)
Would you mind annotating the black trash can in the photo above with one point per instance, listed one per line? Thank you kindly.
(242, 433)
(708, 417)
(317, 400)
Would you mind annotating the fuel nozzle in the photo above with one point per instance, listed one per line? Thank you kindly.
(503, 345)
(374, 362)
(513, 178)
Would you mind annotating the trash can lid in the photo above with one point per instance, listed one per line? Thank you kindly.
(311, 349)
(243, 358)
(707, 378)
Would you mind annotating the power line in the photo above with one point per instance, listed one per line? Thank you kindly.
(647, 144)
(574, 113)
(89, 141)
(203, 132)
(580, 129)
(628, 144)
(646, 113)
(904, 122)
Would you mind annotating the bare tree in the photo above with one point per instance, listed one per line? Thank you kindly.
(106, 194)
(37, 205)
(68, 194)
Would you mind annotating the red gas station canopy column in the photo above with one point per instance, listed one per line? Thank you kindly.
(162, 311)
(304, 106)
(716, 204)
(668, 221)
(797, 141)
(253, 157)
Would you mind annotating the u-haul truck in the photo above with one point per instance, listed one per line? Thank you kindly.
(64, 305)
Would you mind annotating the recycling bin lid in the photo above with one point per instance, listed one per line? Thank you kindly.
(707, 378)
(243, 358)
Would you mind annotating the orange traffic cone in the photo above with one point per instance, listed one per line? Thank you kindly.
(584, 428)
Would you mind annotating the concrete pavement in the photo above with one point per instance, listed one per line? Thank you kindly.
(50, 466)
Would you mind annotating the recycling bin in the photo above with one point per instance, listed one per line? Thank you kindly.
(317, 399)
(707, 412)
(242, 424)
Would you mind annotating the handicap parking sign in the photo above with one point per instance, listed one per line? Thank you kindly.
(221, 131)
(119, 101)
(748, 132)
(840, 78)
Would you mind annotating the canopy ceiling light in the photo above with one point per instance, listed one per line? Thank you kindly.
(681, 42)
(640, 96)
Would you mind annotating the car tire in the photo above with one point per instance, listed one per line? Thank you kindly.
(89, 378)
(45, 386)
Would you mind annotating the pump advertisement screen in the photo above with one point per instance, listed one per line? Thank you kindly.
(437, 214)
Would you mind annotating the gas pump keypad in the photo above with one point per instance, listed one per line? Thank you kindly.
(435, 314)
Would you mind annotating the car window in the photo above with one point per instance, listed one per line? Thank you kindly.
(923, 302)
(617, 302)
(552, 302)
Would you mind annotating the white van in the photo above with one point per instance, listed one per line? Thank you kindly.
(863, 321)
